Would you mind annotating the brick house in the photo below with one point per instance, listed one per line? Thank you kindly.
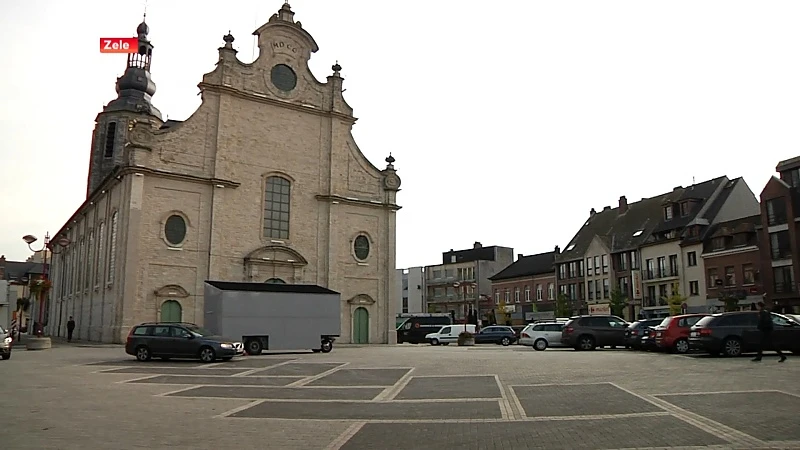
(732, 262)
(528, 286)
(780, 243)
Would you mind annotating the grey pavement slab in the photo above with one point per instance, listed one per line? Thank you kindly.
(361, 377)
(280, 393)
(769, 416)
(255, 362)
(645, 432)
(379, 411)
(129, 362)
(450, 388)
(580, 400)
(218, 381)
(297, 369)
(177, 371)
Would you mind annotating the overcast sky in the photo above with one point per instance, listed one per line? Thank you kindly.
(509, 120)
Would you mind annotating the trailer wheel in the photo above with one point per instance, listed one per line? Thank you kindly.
(253, 347)
(327, 346)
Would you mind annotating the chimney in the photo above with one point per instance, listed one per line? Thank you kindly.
(592, 212)
(623, 205)
(519, 256)
(558, 249)
(477, 245)
(676, 188)
(606, 208)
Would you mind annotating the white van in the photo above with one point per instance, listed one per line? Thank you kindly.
(448, 334)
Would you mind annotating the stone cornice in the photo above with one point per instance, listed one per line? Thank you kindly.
(355, 201)
(271, 101)
(178, 176)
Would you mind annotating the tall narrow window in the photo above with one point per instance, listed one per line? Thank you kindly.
(112, 254)
(81, 262)
(101, 240)
(111, 136)
(276, 208)
(89, 260)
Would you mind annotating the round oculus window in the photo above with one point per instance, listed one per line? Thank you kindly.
(361, 247)
(284, 78)
(175, 230)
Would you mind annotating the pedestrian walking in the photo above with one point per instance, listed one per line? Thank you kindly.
(765, 327)
(70, 328)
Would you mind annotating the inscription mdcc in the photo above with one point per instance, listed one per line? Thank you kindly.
(284, 46)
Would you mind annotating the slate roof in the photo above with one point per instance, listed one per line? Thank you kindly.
(710, 213)
(270, 287)
(729, 228)
(617, 230)
(17, 270)
(527, 266)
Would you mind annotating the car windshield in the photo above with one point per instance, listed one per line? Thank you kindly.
(199, 331)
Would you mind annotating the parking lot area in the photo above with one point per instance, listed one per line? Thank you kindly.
(406, 396)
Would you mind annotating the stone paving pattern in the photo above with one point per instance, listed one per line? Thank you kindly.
(62, 399)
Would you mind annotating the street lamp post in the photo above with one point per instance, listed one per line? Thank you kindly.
(62, 242)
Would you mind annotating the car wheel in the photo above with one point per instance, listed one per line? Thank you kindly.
(505, 341)
(434, 342)
(208, 355)
(586, 343)
(540, 345)
(732, 347)
(253, 347)
(6, 356)
(327, 346)
(143, 353)
(681, 346)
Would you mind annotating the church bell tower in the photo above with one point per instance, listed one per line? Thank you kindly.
(135, 89)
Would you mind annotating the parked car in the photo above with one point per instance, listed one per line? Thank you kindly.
(6, 343)
(413, 329)
(449, 334)
(635, 331)
(590, 332)
(648, 340)
(673, 333)
(179, 340)
(734, 333)
(496, 334)
(542, 335)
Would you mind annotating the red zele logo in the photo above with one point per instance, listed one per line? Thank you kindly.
(119, 45)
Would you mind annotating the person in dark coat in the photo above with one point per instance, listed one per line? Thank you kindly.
(765, 326)
(70, 328)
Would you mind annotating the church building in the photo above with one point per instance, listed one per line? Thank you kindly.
(262, 183)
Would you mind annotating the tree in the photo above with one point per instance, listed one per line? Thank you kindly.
(618, 302)
(500, 313)
(731, 301)
(675, 301)
(563, 308)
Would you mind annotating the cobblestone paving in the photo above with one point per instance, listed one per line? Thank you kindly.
(416, 397)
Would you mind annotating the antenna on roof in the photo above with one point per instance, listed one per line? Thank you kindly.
(692, 180)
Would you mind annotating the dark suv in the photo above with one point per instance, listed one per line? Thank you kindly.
(496, 334)
(590, 332)
(637, 330)
(734, 333)
(179, 340)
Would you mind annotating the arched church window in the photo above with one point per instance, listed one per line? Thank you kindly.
(276, 208)
(111, 136)
(175, 230)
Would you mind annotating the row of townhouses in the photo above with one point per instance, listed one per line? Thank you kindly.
(713, 244)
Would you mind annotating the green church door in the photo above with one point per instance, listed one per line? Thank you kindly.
(171, 311)
(361, 326)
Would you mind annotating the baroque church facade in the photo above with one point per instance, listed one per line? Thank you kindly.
(262, 183)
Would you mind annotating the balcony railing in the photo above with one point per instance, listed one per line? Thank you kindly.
(653, 301)
(784, 288)
(657, 274)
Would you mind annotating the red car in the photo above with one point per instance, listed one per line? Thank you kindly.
(673, 333)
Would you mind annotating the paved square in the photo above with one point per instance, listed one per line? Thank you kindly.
(450, 388)
(176, 371)
(297, 369)
(373, 411)
(254, 362)
(361, 377)
(579, 400)
(132, 362)
(769, 416)
(198, 380)
(280, 393)
(644, 432)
